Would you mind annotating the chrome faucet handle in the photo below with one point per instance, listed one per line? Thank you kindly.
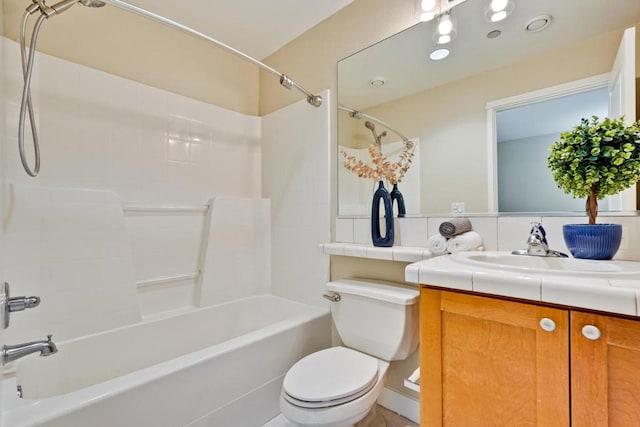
(14, 304)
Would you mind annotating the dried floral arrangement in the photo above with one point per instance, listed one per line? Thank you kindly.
(382, 167)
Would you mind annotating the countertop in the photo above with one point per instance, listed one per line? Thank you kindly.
(604, 292)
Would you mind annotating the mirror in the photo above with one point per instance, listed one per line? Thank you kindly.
(443, 104)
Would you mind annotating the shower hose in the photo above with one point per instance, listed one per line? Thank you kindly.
(26, 105)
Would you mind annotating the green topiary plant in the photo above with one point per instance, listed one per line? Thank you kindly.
(596, 159)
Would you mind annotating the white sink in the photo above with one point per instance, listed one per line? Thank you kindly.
(550, 265)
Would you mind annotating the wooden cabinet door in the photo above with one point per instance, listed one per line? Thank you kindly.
(488, 362)
(605, 371)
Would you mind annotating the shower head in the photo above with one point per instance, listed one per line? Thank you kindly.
(369, 125)
(60, 7)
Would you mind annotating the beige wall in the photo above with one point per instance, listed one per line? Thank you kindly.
(135, 48)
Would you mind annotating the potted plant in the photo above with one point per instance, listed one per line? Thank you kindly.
(593, 160)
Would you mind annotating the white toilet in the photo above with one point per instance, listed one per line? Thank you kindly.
(338, 386)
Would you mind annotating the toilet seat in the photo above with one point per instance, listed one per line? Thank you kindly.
(330, 377)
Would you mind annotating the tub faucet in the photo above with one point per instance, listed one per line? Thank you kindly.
(537, 244)
(18, 351)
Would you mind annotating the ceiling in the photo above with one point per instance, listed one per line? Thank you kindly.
(403, 62)
(255, 27)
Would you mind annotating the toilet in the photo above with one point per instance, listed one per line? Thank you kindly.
(378, 323)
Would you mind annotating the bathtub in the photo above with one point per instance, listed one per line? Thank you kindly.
(215, 366)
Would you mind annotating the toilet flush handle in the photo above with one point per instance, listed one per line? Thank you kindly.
(331, 296)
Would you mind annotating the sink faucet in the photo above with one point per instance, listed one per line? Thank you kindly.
(537, 244)
(15, 352)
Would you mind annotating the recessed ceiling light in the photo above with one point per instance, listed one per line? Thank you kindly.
(494, 34)
(377, 81)
(439, 54)
(538, 23)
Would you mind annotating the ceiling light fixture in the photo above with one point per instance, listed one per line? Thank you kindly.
(538, 23)
(377, 81)
(439, 54)
(425, 10)
(497, 10)
(445, 30)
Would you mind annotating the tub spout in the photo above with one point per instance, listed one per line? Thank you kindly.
(18, 351)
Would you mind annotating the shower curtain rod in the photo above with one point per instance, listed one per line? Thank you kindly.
(287, 82)
(360, 115)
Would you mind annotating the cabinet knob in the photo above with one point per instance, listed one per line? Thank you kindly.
(591, 332)
(547, 324)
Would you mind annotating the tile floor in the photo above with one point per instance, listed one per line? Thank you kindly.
(382, 418)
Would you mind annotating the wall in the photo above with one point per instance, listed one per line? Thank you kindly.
(135, 48)
(295, 164)
(152, 149)
(519, 164)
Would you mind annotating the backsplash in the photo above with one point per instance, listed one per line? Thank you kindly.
(499, 232)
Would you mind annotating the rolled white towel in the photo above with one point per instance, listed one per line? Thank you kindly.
(464, 242)
(437, 244)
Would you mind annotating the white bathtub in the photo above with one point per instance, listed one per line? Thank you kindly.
(216, 366)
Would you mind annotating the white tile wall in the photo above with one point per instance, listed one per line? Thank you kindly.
(72, 250)
(296, 147)
(149, 146)
(503, 233)
(237, 260)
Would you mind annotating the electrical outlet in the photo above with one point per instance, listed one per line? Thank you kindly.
(457, 208)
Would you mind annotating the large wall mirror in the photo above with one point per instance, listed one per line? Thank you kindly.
(444, 105)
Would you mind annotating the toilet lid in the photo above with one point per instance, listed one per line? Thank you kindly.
(332, 374)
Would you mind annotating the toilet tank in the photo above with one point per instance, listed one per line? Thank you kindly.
(375, 317)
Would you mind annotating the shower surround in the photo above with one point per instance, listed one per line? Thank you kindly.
(150, 171)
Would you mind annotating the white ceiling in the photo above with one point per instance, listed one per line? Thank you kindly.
(403, 59)
(255, 27)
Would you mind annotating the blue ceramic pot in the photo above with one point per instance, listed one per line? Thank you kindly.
(382, 195)
(397, 197)
(596, 241)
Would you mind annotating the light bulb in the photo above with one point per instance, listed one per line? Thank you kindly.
(497, 10)
(445, 25)
(428, 5)
(444, 39)
(427, 16)
(498, 5)
(498, 16)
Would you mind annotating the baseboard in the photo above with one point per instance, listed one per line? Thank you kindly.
(403, 405)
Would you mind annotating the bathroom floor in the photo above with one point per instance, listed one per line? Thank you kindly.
(383, 418)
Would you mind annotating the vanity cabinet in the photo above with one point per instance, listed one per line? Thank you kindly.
(491, 362)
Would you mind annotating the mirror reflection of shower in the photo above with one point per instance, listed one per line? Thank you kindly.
(376, 137)
(355, 193)
(27, 59)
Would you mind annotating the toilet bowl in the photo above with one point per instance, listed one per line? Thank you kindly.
(339, 386)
